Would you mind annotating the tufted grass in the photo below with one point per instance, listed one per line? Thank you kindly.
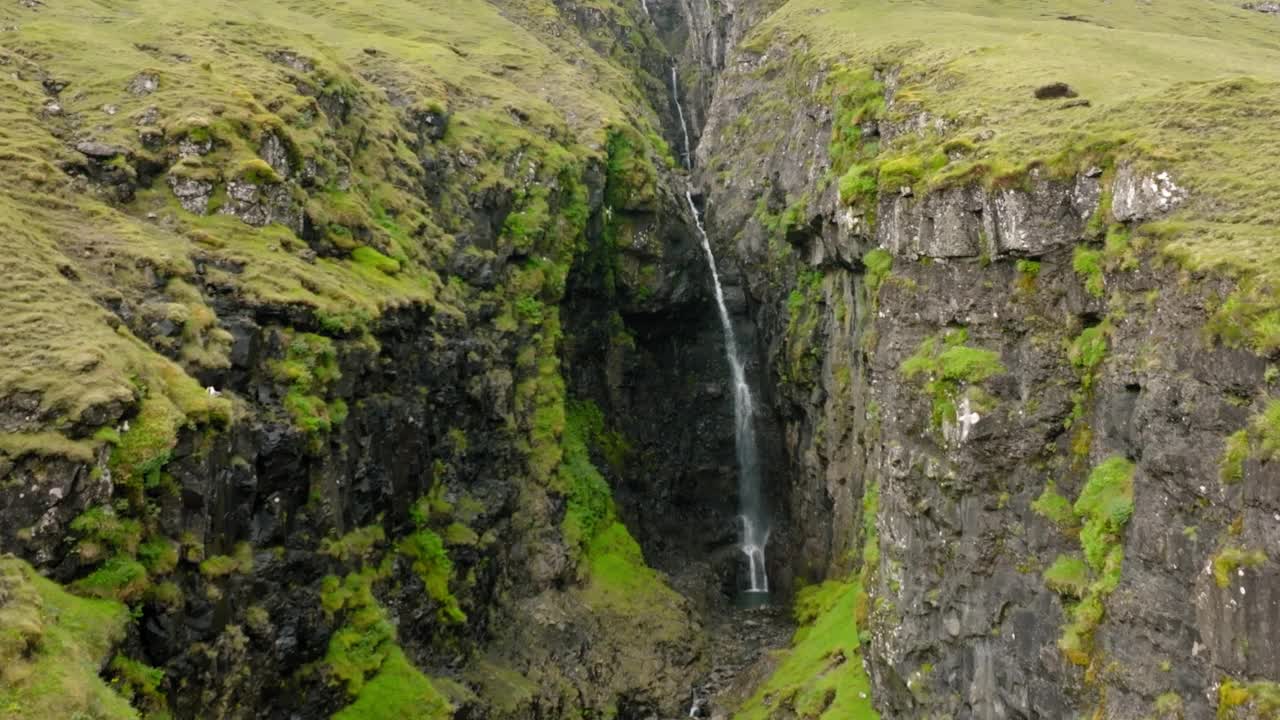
(821, 675)
(52, 647)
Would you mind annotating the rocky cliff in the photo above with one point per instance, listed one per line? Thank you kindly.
(359, 361)
(1013, 307)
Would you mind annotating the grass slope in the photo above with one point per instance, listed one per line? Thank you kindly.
(338, 83)
(1187, 86)
(821, 675)
(52, 647)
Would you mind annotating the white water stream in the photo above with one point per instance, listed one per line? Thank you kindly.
(754, 535)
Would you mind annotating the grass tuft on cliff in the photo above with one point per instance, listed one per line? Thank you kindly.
(53, 646)
(820, 676)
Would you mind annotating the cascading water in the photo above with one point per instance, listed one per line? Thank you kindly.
(687, 155)
(755, 528)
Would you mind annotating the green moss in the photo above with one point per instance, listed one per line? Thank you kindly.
(432, 564)
(52, 647)
(140, 684)
(1230, 559)
(149, 442)
(951, 371)
(357, 545)
(877, 264)
(858, 185)
(1088, 265)
(1231, 467)
(1028, 271)
(159, 556)
(360, 646)
(371, 258)
(1088, 350)
(631, 179)
(820, 675)
(1055, 507)
(1068, 575)
(258, 172)
(309, 370)
(240, 562)
(1238, 700)
(1260, 440)
(1105, 505)
(102, 530)
(398, 691)
(119, 578)
(590, 503)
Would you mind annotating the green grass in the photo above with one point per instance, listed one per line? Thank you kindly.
(398, 691)
(432, 564)
(1068, 575)
(952, 370)
(820, 676)
(500, 74)
(590, 502)
(1260, 439)
(240, 562)
(1238, 700)
(52, 647)
(1230, 559)
(1054, 507)
(356, 546)
(1088, 265)
(1188, 87)
(1105, 505)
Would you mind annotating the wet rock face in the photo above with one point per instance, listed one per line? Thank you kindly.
(962, 622)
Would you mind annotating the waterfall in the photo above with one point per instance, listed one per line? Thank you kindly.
(684, 127)
(755, 530)
(645, 4)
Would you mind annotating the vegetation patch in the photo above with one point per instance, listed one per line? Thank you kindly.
(820, 675)
(399, 691)
(951, 371)
(804, 311)
(1054, 507)
(1243, 700)
(1260, 440)
(309, 369)
(1104, 505)
(52, 647)
(1068, 576)
(877, 264)
(1227, 562)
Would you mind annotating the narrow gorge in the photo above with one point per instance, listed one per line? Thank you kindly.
(639, 360)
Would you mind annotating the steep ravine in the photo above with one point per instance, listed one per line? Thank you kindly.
(363, 362)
